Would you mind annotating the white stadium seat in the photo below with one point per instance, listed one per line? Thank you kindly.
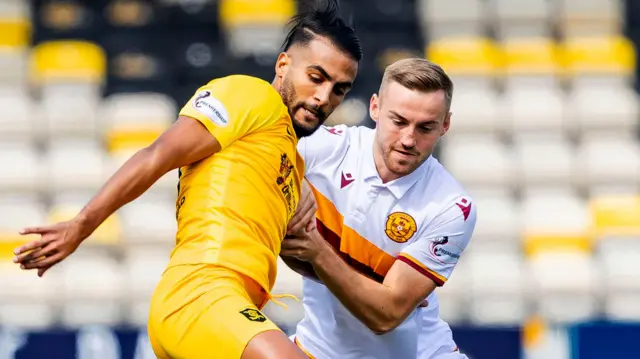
(453, 296)
(534, 108)
(143, 268)
(150, 218)
(497, 286)
(69, 113)
(92, 288)
(522, 17)
(608, 160)
(498, 221)
(590, 17)
(125, 111)
(287, 282)
(477, 160)
(263, 41)
(544, 160)
(27, 301)
(75, 164)
(19, 211)
(475, 109)
(553, 212)
(22, 167)
(602, 106)
(566, 284)
(451, 18)
(621, 280)
(19, 115)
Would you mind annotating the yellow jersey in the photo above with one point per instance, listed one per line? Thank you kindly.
(233, 208)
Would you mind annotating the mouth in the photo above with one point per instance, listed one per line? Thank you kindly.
(310, 115)
(405, 153)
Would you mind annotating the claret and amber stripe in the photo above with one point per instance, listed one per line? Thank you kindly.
(440, 280)
(357, 251)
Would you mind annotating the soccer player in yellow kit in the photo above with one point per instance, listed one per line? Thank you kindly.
(240, 183)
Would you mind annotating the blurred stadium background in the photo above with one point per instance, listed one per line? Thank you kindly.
(544, 135)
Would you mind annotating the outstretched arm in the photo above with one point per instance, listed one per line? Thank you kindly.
(186, 142)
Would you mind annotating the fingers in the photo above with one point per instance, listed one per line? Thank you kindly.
(35, 230)
(42, 271)
(43, 263)
(302, 217)
(19, 252)
(311, 225)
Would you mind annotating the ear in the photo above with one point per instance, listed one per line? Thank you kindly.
(446, 124)
(283, 63)
(374, 107)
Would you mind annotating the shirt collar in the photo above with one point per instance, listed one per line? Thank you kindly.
(397, 187)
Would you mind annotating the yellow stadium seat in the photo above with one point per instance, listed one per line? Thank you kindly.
(109, 232)
(256, 12)
(613, 216)
(531, 56)
(120, 139)
(599, 55)
(68, 61)
(11, 241)
(535, 244)
(14, 33)
(465, 56)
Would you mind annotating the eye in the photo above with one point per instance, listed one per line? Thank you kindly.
(426, 129)
(315, 79)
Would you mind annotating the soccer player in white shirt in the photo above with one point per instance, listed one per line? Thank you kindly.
(391, 226)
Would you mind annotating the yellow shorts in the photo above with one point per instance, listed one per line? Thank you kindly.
(205, 312)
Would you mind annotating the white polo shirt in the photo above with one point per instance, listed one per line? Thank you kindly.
(424, 219)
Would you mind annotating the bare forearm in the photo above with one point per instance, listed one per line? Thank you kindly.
(130, 181)
(366, 299)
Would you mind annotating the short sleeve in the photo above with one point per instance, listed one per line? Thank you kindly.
(321, 144)
(232, 107)
(436, 252)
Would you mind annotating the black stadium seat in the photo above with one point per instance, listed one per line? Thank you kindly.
(66, 20)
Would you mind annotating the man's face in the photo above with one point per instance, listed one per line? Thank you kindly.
(409, 125)
(315, 78)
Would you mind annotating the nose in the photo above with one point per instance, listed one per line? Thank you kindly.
(322, 95)
(407, 139)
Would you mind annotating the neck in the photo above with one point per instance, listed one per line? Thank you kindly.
(381, 167)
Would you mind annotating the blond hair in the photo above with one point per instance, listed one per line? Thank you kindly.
(419, 74)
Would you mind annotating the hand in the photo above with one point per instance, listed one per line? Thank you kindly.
(305, 216)
(305, 247)
(56, 243)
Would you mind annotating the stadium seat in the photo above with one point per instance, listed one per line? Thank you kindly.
(74, 163)
(255, 27)
(65, 20)
(522, 18)
(621, 281)
(92, 287)
(453, 296)
(566, 284)
(143, 267)
(499, 227)
(19, 210)
(27, 301)
(67, 62)
(468, 56)
(150, 219)
(589, 17)
(22, 166)
(69, 114)
(139, 61)
(615, 216)
(14, 42)
(550, 214)
(133, 121)
(108, 233)
(497, 286)
(466, 157)
(475, 109)
(442, 19)
(619, 155)
(131, 14)
(531, 69)
(543, 159)
(20, 115)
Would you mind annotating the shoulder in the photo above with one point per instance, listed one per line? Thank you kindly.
(443, 195)
(329, 144)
